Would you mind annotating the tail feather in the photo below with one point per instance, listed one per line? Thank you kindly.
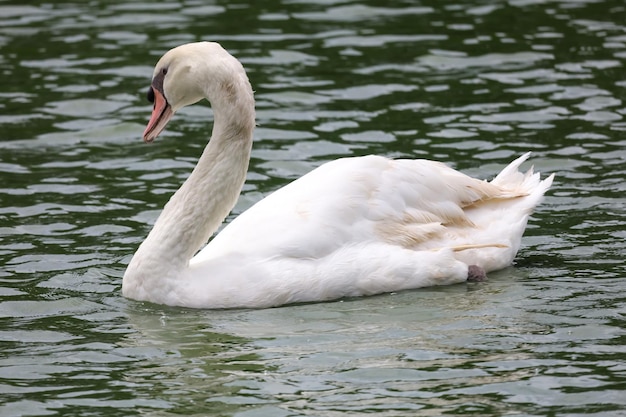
(527, 183)
(500, 222)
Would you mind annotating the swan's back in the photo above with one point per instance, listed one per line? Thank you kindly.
(412, 204)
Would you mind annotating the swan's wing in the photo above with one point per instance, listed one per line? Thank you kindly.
(411, 203)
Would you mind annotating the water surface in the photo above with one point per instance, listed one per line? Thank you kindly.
(472, 83)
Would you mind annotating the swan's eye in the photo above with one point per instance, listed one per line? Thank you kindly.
(150, 95)
(164, 71)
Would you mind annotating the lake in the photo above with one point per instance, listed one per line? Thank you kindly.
(471, 83)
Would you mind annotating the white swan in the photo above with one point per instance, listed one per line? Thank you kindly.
(352, 227)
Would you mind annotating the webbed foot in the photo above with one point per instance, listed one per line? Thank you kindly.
(476, 273)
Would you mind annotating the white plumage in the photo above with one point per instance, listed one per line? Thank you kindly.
(354, 226)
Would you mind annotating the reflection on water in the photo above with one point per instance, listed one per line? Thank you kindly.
(471, 84)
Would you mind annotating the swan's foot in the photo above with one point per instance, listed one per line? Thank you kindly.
(476, 273)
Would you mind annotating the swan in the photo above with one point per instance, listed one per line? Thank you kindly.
(352, 227)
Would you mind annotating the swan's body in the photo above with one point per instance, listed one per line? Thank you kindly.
(354, 226)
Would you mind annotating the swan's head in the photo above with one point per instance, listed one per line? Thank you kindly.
(184, 76)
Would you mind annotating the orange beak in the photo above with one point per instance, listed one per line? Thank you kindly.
(161, 114)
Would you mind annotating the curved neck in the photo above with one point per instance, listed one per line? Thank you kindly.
(202, 203)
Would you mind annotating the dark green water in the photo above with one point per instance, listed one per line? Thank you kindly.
(471, 83)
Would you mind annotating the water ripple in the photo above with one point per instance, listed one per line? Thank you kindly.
(470, 84)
